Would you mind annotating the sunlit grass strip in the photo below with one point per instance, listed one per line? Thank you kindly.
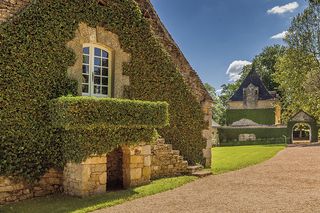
(232, 158)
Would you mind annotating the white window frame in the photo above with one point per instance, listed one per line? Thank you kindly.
(91, 47)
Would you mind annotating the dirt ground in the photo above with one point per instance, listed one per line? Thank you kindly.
(289, 182)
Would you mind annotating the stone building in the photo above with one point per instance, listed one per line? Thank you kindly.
(254, 102)
(99, 72)
(253, 114)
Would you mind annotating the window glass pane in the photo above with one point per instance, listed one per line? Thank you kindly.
(97, 70)
(85, 59)
(97, 61)
(85, 79)
(105, 71)
(97, 80)
(105, 81)
(97, 52)
(86, 50)
(85, 88)
(105, 62)
(105, 90)
(104, 54)
(97, 90)
(85, 69)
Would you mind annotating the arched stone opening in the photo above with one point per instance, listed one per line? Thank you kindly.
(301, 133)
(303, 119)
(115, 169)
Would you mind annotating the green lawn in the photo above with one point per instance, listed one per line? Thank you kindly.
(232, 158)
(62, 203)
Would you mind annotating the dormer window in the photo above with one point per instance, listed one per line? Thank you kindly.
(251, 95)
(96, 71)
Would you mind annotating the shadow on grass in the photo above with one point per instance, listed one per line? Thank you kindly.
(62, 203)
(59, 203)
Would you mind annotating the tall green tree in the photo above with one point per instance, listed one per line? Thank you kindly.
(219, 110)
(296, 72)
(264, 63)
(304, 32)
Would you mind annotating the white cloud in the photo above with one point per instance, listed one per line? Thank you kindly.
(219, 91)
(280, 35)
(235, 69)
(290, 7)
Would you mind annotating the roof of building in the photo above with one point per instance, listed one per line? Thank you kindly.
(302, 116)
(252, 78)
(8, 8)
(215, 124)
(244, 122)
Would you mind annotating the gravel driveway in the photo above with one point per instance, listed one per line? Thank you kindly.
(289, 182)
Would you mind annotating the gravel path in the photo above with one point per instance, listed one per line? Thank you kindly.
(289, 182)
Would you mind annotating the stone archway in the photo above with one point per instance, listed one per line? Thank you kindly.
(301, 133)
(303, 118)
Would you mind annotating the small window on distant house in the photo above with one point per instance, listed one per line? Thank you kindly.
(96, 71)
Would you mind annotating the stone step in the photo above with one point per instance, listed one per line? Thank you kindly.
(196, 168)
(161, 141)
(202, 173)
(175, 152)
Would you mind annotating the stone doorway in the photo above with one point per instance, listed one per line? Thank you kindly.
(115, 169)
(303, 126)
(301, 133)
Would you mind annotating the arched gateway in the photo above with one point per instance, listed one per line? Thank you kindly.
(303, 119)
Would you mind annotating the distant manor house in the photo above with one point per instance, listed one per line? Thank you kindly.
(252, 101)
(254, 117)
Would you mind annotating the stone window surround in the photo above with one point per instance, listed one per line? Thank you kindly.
(98, 36)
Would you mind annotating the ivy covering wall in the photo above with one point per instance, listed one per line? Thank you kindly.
(33, 70)
(260, 116)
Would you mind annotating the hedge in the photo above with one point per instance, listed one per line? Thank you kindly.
(260, 116)
(75, 112)
(255, 142)
(232, 133)
(34, 61)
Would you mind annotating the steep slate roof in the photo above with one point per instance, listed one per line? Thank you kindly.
(252, 78)
(10, 7)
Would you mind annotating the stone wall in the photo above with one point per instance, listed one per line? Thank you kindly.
(12, 191)
(90, 177)
(86, 178)
(136, 165)
(140, 164)
(166, 162)
(9, 7)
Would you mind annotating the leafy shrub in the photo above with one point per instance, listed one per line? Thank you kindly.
(262, 141)
(68, 112)
(232, 133)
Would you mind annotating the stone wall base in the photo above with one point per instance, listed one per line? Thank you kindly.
(140, 164)
(13, 191)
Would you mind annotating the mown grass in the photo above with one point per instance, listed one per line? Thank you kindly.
(232, 158)
(63, 203)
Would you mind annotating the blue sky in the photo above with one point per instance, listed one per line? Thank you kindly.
(217, 35)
